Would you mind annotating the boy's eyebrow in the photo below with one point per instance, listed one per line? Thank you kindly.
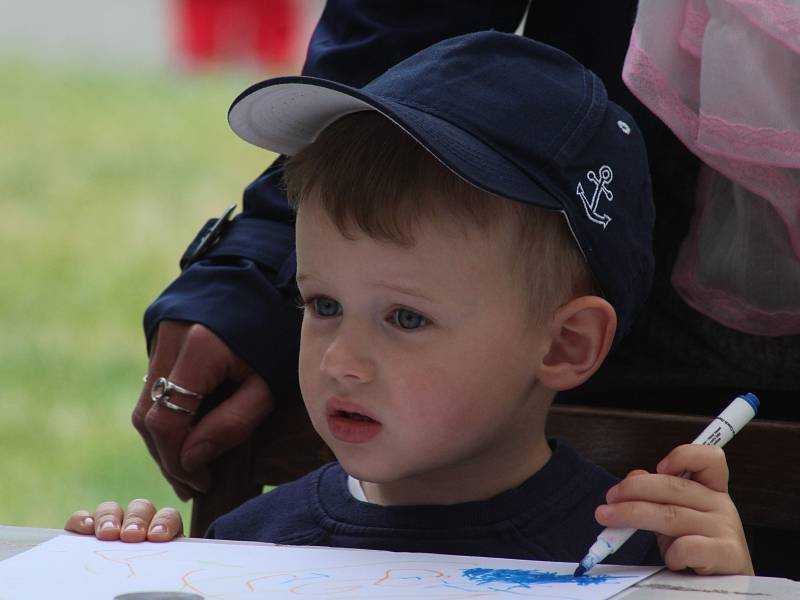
(410, 291)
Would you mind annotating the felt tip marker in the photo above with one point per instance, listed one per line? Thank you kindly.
(718, 433)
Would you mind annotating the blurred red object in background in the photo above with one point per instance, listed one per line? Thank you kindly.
(260, 32)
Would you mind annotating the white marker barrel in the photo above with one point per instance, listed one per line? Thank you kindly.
(730, 421)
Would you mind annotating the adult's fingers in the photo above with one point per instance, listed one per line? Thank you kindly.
(107, 521)
(139, 420)
(202, 364)
(137, 520)
(227, 425)
(166, 525)
(168, 430)
(166, 345)
(204, 361)
(707, 464)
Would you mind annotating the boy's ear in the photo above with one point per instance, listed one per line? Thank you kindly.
(581, 335)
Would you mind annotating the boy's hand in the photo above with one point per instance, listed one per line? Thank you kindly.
(141, 522)
(695, 520)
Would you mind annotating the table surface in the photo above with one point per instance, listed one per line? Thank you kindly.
(661, 586)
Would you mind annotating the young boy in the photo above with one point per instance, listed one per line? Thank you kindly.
(473, 231)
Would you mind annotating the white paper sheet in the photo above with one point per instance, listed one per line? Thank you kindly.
(83, 568)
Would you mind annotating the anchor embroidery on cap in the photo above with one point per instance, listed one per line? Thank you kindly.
(603, 176)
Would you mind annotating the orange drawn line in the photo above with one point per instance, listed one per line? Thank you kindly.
(388, 574)
(250, 582)
(188, 585)
(127, 561)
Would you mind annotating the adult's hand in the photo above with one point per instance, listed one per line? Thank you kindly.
(193, 357)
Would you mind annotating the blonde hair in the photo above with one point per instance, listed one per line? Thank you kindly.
(372, 177)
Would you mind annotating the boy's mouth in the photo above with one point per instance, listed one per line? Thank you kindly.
(354, 416)
(348, 422)
(348, 410)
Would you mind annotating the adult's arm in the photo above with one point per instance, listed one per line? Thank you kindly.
(231, 314)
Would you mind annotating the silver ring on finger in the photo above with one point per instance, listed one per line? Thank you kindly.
(161, 393)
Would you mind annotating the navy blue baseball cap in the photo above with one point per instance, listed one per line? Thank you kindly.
(511, 116)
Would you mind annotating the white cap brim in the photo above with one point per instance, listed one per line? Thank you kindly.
(286, 117)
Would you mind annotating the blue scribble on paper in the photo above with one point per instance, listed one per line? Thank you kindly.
(524, 578)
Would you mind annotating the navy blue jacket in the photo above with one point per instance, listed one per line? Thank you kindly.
(243, 290)
(549, 517)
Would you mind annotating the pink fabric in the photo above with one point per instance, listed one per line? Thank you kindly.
(724, 75)
(711, 275)
(695, 22)
(778, 18)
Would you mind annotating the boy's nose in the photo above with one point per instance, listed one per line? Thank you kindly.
(345, 359)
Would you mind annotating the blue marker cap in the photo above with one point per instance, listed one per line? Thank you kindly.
(752, 400)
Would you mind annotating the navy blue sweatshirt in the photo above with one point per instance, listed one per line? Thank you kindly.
(549, 517)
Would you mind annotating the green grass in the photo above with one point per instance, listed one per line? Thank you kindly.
(104, 178)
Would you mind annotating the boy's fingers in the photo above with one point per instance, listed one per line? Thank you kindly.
(707, 464)
(166, 525)
(81, 521)
(107, 521)
(707, 556)
(137, 520)
(666, 519)
(636, 473)
(666, 489)
(664, 542)
(691, 551)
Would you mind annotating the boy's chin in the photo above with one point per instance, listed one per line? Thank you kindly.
(366, 473)
(368, 469)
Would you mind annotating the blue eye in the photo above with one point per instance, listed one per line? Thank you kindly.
(326, 307)
(408, 319)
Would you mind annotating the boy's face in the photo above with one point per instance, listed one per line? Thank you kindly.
(418, 365)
